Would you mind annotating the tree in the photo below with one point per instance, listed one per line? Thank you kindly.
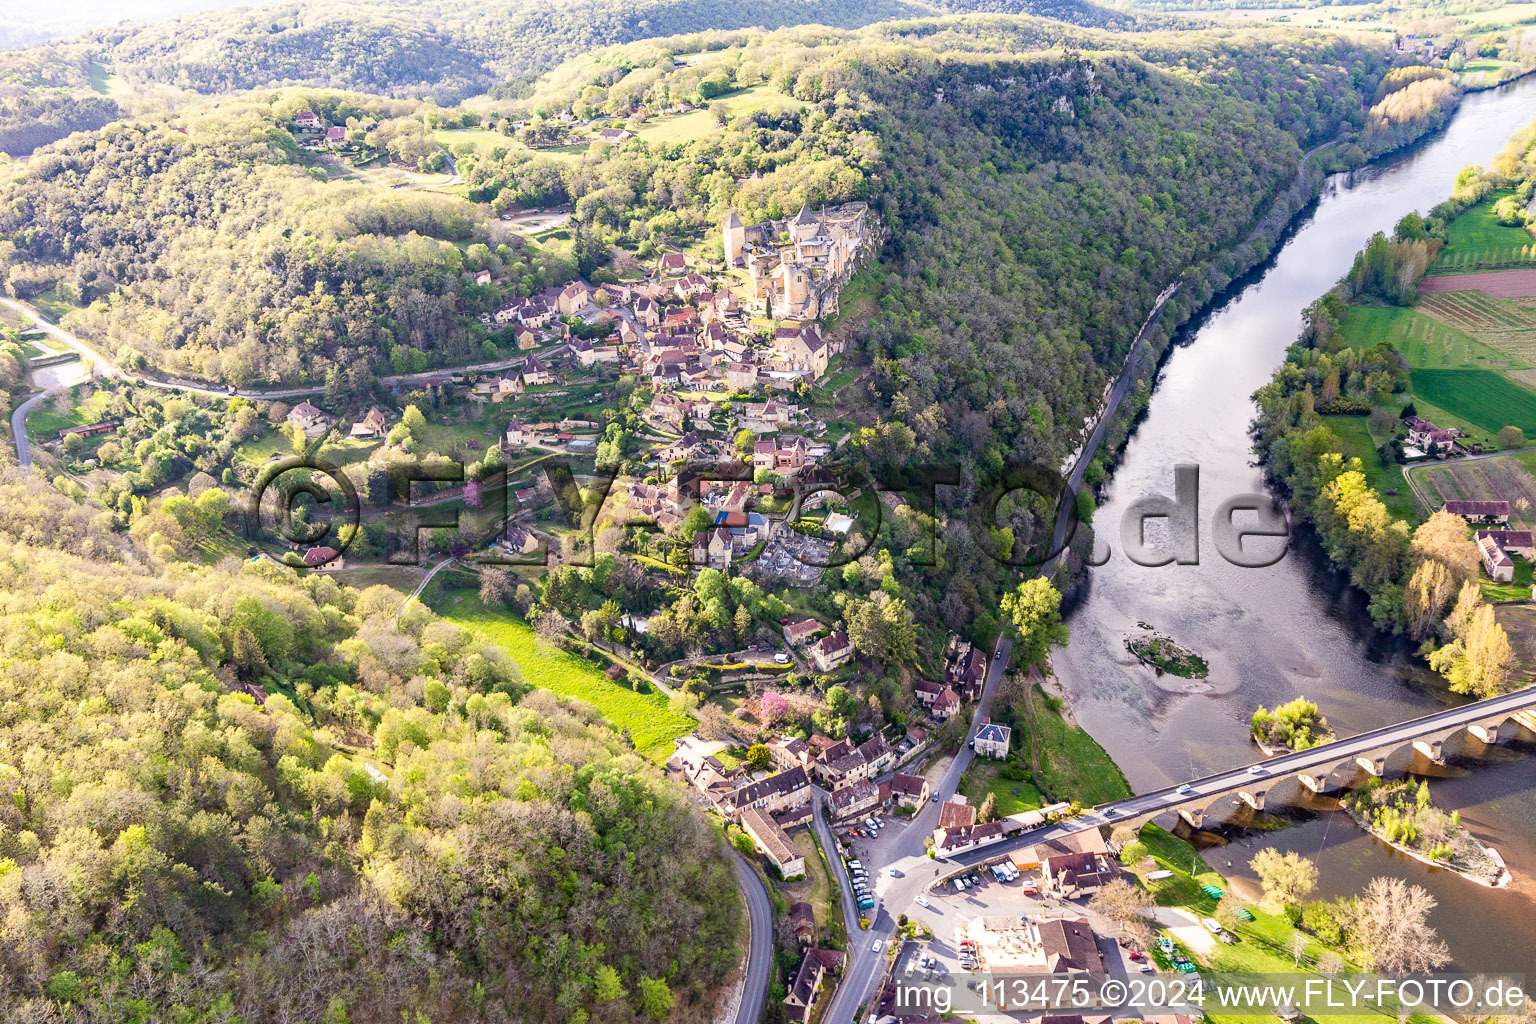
(771, 707)
(1388, 926)
(1034, 608)
(988, 809)
(552, 626)
(881, 628)
(1511, 437)
(497, 587)
(656, 998)
(1287, 878)
(1445, 538)
(1479, 661)
(759, 757)
(1429, 588)
(841, 702)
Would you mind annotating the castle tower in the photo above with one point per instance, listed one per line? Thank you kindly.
(803, 226)
(735, 238)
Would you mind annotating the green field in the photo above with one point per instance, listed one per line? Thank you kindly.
(1355, 434)
(667, 130)
(652, 723)
(1423, 341)
(983, 778)
(1478, 231)
(1517, 589)
(1481, 397)
(1068, 764)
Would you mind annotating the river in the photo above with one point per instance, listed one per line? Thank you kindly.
(1295, 628)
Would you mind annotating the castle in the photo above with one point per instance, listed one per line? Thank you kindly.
(794, 268)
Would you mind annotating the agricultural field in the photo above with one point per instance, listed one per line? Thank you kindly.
(1424, 341)
(1506, 325)
(1519, 621)
(651, 721)
(1485, 398)
(1478, 235)
(1504, 477)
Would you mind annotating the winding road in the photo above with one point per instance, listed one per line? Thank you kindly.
(760, 954)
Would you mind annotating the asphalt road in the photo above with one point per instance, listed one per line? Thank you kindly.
(19, 427)
(909, 855)
(760, 957)
(896, 894)
(1066, 512)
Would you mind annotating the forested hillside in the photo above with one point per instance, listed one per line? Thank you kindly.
(213, 252)
(191, 831)
(439, 48)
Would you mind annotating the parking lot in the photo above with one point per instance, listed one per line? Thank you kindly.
(947, 911)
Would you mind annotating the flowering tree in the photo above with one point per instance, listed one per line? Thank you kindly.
(772, 707)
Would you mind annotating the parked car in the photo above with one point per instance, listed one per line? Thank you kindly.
(1212, 925)
(893, 872)
(877, 945)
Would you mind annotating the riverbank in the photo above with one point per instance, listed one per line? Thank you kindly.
(1294, 628)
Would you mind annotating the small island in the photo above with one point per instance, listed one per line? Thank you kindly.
(1400, 814)
(1296, 725)
(1165, 655)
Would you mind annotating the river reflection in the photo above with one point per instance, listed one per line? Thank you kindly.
(1293, 629)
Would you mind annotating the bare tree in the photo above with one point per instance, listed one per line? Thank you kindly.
(1389, 924)
(1329, 962)
(551, 626)
(1118, 901)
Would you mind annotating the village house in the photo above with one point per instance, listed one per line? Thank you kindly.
(1077, 874)
(945, 704)
(788, 752)
(691, 286)
(573, 298)
(831, 651)
(1484, 512)
(713, 548)
(741, 375)
(926, 692)
(1495, 548)
(668, 409)
(796, 634)
(768, 416)
(1070, 946)
(483, 277)
(536, 371)
(773, 795)
(786, 455)
(324, 558)
(308, 418)
(614, 136)
(909, 790)
(951, 842)
(807, 981)
(335, 136)
(852, 799)
(307, 119)
(992, 740)
(647, 311)
(525, 337)
(968, 672)
(672, 264)
(372, 425)
(496, 388)
(773, 843)
(802, 921)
